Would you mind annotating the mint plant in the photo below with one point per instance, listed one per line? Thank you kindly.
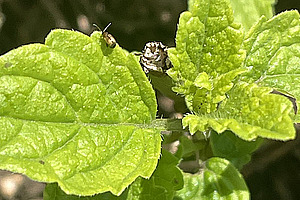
(81, 116)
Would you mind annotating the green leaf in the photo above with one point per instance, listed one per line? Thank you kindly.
(77, 112)
(250, 112)
(187, 146)
(217, 180)
(248, 12)
(53, 192)
(210, 93)
(166, 179)
(273, 53)
(208, 52)
(227, 145)
(207, 40)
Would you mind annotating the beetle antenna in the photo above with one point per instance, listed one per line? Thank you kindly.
(97, 27)
(108, 25)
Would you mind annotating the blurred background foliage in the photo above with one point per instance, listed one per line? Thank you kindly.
(134, 22)
(273, 173)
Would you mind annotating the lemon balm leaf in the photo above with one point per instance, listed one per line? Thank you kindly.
(273, 53)
(207, 40)
(207, 53)
(78, 113)
(210, 58)
(116, 68)
(53, 192)
(162, 185)
(218, 179)
(206, 99)
(248, 12)
(250, 112)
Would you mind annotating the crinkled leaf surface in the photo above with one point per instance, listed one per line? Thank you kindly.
(165, 181)
(76, 112)
(250, 112)
(218, 179)
(53, 192)
(207, 59)
(248, 12)
(208, 51)
(227, 145)
(162, 185)
(210, 92)
(273, 53)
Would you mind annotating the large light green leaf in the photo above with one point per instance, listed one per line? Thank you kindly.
(77, 112)
(53, 192)
(248, 12)
(250, 112)
(162, 185)
(273, 53)
(208, 54)
(218, 179)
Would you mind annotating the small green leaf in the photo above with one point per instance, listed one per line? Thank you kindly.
(227, 145)
(208, 54)
(248, 12)
(207, 40)
(273, 53)
(217, 180)
(210, 93)
(187, 145)
(77, 112)
(166, 179)
(250, 112)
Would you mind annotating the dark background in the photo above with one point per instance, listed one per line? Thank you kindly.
(273, 173)
(134, 22)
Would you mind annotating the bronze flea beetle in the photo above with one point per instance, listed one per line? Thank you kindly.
(109, 39)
